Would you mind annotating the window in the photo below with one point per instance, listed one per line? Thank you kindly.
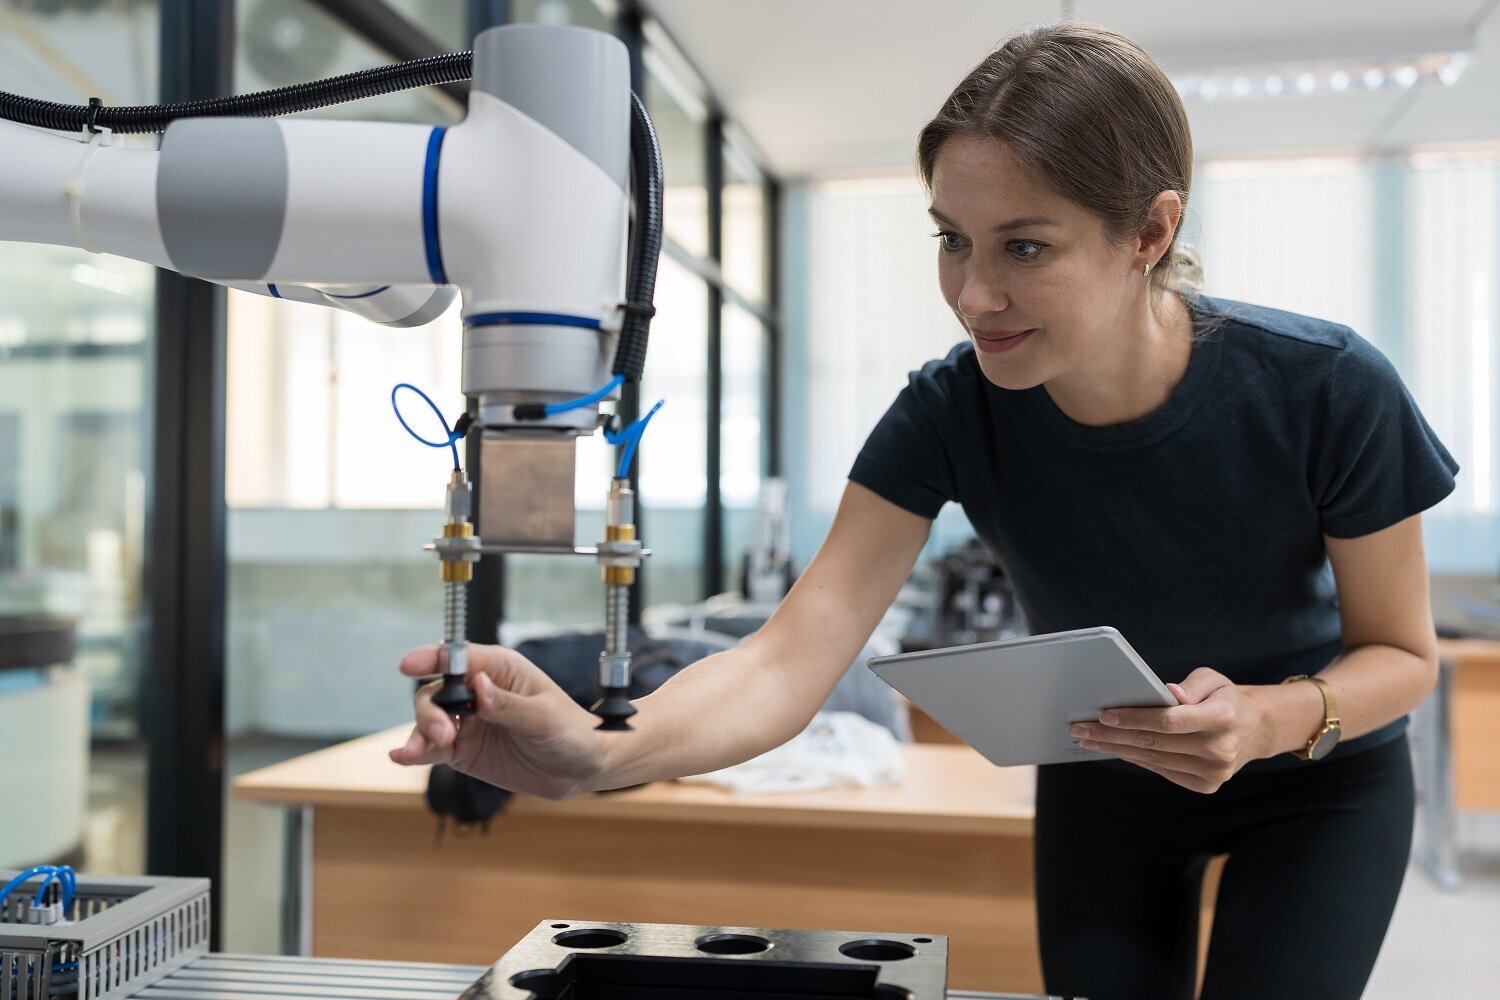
(597, 14)
(679, 115)
(1292, 234)
(745, 232)
(674, 452)
(76, 417)
(1450, 358)
(743, 432)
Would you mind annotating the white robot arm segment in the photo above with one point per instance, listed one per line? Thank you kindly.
(522, 210)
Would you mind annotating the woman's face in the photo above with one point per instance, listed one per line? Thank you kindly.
(1028, 273)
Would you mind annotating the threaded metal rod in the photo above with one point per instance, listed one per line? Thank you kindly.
(455, 612)
(616, 618)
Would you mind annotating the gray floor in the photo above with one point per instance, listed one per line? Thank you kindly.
(1440, 944)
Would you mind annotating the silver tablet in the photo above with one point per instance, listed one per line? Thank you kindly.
(1013, 700)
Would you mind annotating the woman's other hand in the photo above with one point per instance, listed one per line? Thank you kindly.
(526, 735)
(1216, 729)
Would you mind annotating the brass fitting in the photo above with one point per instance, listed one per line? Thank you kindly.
(455, 571)
(622, 576)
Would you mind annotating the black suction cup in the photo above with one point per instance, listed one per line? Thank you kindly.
(613, 709)
(454, 697)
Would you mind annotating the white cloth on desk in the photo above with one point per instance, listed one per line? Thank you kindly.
(837, 750)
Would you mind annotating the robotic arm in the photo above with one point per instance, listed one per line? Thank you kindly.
(522, 211)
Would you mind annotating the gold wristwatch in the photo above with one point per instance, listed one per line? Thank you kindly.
(1323, 741)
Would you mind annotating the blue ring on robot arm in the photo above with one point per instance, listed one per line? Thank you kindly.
(530, 319)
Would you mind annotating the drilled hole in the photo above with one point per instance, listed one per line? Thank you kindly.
(877, 951)
(923, 940)
(732, 944)
(590, 937)
(540, 983)
(561, 927)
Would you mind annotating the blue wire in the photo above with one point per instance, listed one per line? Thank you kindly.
(551, 409)
(37, 901)
(62, 873)
(69, 879)
(453, 436)
(23, 878)
(630, 437)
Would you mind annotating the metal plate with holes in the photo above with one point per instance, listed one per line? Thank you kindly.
(573, 959)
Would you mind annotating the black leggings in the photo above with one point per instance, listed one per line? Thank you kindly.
(1316, 858)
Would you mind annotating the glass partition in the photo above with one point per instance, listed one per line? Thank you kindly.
(76, 336)
(743, 430)
(679, 117)
(745, 253)
(674, 452)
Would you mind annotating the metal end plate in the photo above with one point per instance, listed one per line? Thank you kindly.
(526, 491)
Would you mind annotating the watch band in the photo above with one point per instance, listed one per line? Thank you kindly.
(1330, 711)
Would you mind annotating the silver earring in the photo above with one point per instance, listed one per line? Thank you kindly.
(1147, 272)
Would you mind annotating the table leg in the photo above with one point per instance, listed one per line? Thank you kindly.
(1437, 813)
(297, 887)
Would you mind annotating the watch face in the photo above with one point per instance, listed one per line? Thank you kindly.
(1327, 740)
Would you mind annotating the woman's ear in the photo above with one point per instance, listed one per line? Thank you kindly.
(1162, 219)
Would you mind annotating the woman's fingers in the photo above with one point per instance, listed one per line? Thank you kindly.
(418, 751)
(435, 725)
(421, 662)
(526, 716)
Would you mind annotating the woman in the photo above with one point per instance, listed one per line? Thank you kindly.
(1236, 489)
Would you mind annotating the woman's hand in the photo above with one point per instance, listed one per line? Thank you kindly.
(1217, 728)
(527, 735)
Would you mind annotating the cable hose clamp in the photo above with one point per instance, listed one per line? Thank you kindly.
(75, 188)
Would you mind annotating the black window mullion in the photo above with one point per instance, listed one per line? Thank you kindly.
(772, 451)
(183, 697)
(713, 499)
(487, 589)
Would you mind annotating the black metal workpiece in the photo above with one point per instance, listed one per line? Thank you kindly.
(584, 960)
(183, 684)
(36, 641)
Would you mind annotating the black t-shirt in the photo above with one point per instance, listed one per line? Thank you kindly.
(1196, 530)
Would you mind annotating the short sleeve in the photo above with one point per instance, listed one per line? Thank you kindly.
(1378, 462)
(906, 459)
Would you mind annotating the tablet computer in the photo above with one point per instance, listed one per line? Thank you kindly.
(1014, 700)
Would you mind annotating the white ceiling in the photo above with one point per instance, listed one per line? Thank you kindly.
(839, 87)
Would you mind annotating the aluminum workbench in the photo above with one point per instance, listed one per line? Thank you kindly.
(275, 977)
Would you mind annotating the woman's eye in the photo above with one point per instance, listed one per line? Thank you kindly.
(949, 241)
(1026, 249)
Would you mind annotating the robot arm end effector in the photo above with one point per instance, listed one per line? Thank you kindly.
(534, 362)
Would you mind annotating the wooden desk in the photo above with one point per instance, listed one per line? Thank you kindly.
(1475, 720)
(1456, 752)
(948, 851)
